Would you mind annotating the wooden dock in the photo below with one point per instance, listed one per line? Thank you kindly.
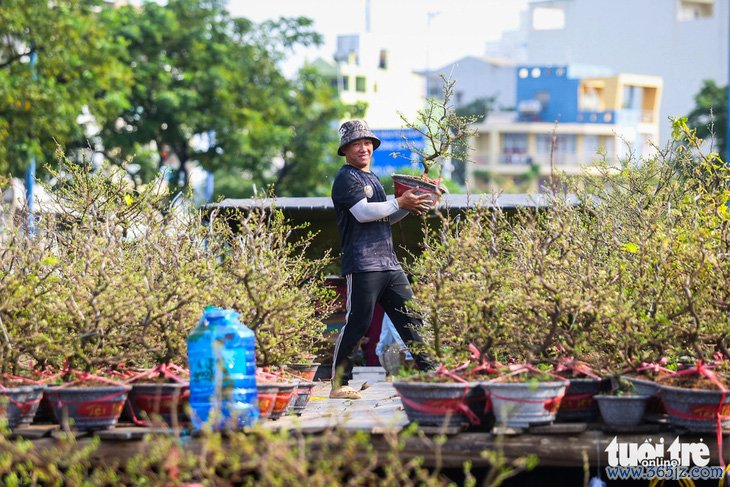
(380, 412)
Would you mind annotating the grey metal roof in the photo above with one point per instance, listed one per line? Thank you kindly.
(454, 201)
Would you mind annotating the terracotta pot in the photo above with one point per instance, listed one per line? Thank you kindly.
(284, 396)
(267, 392)
(305, 371)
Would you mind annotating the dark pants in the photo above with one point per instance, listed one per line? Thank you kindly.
(364, 289)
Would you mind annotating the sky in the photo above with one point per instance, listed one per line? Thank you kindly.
(436, 32)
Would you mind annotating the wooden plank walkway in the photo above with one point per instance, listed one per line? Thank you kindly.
(379, 410)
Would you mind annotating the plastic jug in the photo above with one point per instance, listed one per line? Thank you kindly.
(222, 359)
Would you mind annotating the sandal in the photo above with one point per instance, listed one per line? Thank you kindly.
(345, 392)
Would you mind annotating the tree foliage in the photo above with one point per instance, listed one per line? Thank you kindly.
(623, 268)
(56, 61)
(209, 88)
(709, 117)
(179, 79)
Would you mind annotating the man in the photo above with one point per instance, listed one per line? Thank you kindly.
(364, 217)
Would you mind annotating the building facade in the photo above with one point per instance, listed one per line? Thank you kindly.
(682, 41)
(365, 69)
(567, 116)
(477, 77)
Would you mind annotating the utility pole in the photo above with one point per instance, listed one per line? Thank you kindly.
(429, 17)
(367, 16)
(30, 171)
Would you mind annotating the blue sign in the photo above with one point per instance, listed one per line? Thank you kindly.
(393, 154)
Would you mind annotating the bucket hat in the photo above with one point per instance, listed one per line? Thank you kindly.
(353, 130)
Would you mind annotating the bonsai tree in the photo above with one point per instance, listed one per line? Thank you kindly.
(442, 129)
(279, 292)
(462, 284)
(135, 274)
(30, 283)
(664, 220)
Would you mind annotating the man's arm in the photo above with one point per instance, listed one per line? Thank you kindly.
(398, 216)
(366, 212)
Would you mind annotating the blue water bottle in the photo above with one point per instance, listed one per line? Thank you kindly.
(222, 361)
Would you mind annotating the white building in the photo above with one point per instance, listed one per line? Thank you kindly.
(682, 41)
(477, 77)
(366, 69)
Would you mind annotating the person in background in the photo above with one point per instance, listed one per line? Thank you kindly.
(372, 271)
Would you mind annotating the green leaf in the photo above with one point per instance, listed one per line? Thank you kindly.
(630, 247)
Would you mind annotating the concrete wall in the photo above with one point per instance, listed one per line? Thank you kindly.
(639, 36)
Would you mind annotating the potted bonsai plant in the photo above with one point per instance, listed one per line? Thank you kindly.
(623, 406)
(281, 295)
(668, 226)
(28, 277)
(444, 133)
(461, 283)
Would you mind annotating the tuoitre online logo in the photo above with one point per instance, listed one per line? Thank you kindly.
(677, 453)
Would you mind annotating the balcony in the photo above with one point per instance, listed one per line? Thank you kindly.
(586, 116)
(634, 117)
(524, 160)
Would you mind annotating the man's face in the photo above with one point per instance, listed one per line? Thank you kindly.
(359, 152)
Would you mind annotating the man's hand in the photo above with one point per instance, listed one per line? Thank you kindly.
(411, 201)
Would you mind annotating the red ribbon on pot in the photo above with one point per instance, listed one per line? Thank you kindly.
(654, 367)
(570, 364)
(454, 405)
(703, 370)
(24, 406)
(517, 369)
(168, 371)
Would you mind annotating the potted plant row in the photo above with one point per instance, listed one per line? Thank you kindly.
(110, 287)
(617, 270)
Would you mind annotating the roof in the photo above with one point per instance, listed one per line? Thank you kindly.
(453, 201)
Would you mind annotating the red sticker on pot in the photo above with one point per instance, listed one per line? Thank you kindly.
(100, 409)
(551, 405)
(265, 402)
(709, 410)
(576, 402)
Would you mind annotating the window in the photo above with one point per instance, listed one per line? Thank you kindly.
(632, 98)
(591, 98)
(564, 144)
(591, 145)
(345, 83)
(548, 18)
(514, 149)
(695, 9)
(360, 84)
